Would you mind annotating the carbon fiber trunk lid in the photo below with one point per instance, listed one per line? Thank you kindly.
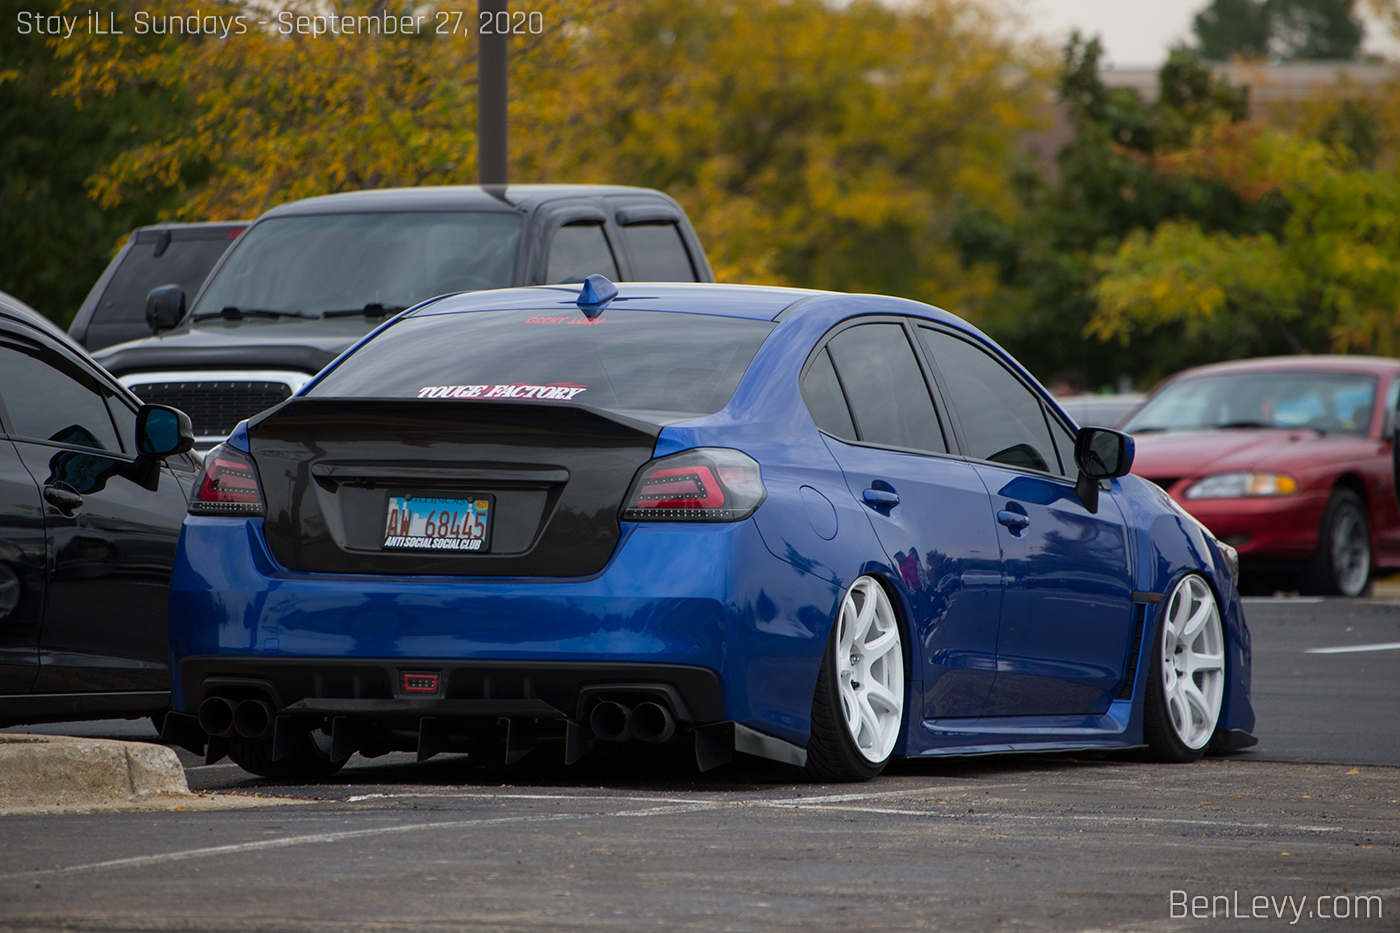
(555, 475)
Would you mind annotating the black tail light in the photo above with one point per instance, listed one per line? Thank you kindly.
(228, 485)
(707, 484)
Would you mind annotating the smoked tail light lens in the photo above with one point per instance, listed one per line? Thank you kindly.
(227, 485)
(707, 484)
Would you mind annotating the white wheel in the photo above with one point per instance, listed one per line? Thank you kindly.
(1192, 659)
(870, 670)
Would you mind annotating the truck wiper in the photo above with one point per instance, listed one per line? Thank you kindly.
(236, 314)
(373, 309)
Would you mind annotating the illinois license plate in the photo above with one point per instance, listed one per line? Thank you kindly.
(435, 523)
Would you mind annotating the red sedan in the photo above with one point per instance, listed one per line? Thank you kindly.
(1291, 460)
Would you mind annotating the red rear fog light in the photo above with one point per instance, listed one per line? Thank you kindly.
(420, 683)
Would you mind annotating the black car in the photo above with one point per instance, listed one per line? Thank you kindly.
(310, 278)
(93, 488)
(163, 254)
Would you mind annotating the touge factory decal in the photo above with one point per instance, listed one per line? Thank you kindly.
(558, 391)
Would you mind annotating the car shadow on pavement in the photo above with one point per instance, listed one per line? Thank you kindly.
(665, 770)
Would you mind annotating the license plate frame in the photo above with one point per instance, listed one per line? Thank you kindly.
(468, 521)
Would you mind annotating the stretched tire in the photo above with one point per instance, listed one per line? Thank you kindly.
(1186, 678)
(1342, 564)
(858, 707)
(310, 762)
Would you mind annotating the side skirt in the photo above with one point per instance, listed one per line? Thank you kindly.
(992, 735)
(24, 709)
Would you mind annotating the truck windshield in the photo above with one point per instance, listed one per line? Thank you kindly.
(644, 362)
(1326, 402)
(344, 263)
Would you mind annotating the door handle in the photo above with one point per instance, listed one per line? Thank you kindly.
(881, 498)
(65, 500)
(1013, 520)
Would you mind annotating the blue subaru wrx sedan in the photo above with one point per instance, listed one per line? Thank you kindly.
(820, 528)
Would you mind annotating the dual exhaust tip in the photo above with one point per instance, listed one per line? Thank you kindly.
(648, 722)
(249, 719)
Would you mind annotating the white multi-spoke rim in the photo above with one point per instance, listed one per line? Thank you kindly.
(1193, 662)
(870, 669)
(1351, 552)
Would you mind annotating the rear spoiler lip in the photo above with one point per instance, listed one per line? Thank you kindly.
(303, 405)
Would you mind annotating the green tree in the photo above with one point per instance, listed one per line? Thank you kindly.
(1290, 30)
(1314, 29)
(1327, 280)
(55, 239)
(1228, 28)
(1048, 257)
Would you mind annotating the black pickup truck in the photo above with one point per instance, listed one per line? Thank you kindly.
(309, 278)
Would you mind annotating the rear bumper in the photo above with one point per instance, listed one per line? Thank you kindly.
(705, 610)
(467, 689)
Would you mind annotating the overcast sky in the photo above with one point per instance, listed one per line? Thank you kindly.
(1139, 32)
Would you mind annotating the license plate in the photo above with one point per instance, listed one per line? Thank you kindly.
(434, 523)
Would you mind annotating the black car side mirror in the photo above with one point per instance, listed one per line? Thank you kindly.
(1100, 453)
(162, 431)
(165, 307)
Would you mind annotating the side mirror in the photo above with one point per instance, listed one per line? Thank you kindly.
(1100, 453)
(1388, 428)
(165, 307)
(162, 431)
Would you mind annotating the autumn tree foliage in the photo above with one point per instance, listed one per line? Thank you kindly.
(1327, 279)
(812, 143)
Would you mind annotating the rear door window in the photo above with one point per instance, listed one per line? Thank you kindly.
(885, 388)
(658, 253)
(1002, 420)
(578, 251)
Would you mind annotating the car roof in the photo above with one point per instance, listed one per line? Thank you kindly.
(11, 307)
(452, 197)
(754, 302)
(219, 225)
(1321, 362)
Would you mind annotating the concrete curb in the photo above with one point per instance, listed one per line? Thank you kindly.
(54, 774)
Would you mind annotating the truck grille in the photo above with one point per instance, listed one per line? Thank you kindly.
(214, 407)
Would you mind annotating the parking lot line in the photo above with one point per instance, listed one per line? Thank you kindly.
(1348, 649)
(670, 807)
(1068, 817)
(141, 861)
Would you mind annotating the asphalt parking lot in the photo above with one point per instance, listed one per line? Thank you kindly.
(1307, 822)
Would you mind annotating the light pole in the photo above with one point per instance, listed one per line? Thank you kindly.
(492, 123)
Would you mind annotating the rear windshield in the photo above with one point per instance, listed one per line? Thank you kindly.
(646, 363)
(183, 262)
(1325, 402)
(344, 262)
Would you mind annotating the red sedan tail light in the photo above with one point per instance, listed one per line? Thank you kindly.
(707, 484)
